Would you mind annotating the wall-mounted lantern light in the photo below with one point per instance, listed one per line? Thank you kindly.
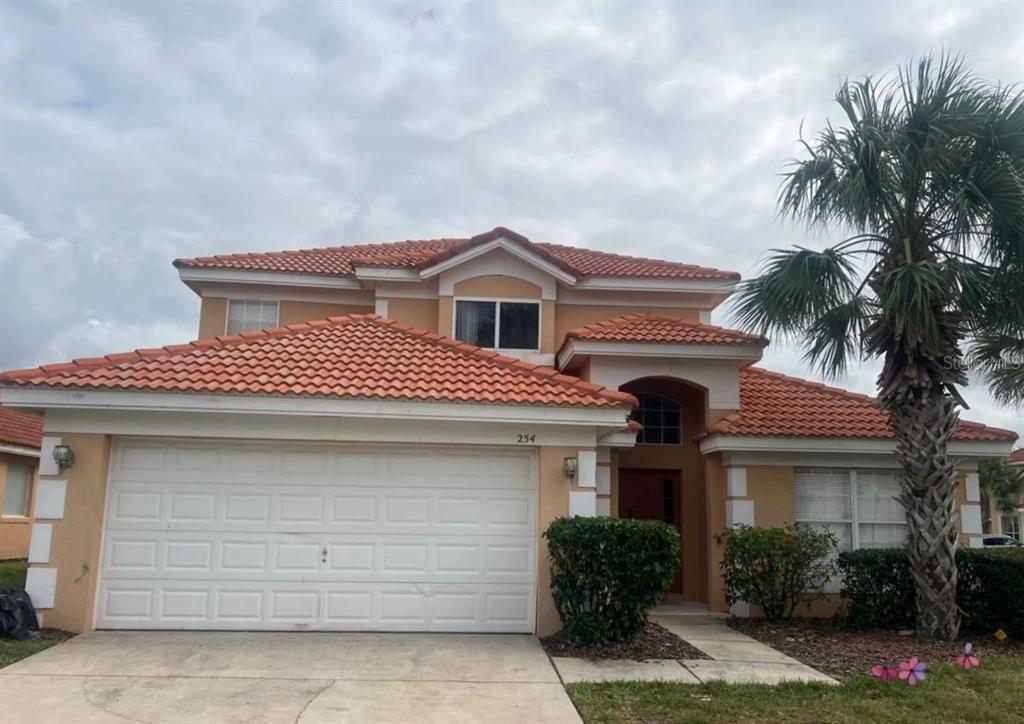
(570, 466)
(64, 456)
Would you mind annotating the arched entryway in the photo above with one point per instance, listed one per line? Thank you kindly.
(662, 477)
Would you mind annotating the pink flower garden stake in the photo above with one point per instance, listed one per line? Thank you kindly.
(913, 671)
(967, 659)
(885, 673)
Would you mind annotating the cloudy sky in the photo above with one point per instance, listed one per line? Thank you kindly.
(133, 133)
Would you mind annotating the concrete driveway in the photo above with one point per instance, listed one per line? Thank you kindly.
(306, 678)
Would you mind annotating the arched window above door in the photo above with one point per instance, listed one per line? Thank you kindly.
(660, 417)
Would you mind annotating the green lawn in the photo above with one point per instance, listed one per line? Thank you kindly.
(993, 693)
(12, 575)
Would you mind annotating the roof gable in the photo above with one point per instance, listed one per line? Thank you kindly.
(352, 357)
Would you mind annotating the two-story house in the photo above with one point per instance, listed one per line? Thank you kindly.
(375, 437)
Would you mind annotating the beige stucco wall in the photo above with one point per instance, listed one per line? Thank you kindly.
(213, 311)
(571, 316)
(15, 532)
(419, 313)
(773, 490)
(553, 503)
(445, 307)
(498, 287)
(290, 312)
(75, 546)
(714, 477)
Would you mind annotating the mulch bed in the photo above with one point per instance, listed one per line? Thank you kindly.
(654, 642)
(829, 647)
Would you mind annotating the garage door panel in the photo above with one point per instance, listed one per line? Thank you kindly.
(308, 606)
(274, 464)
(307, 509)
(289, 536)
(198, 555)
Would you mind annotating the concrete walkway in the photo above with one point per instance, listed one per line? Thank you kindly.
(735, 657)
(277, 678)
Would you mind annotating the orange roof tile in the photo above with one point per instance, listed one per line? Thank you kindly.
(1017, 456)
(20, 428)
(358, 356)
(776, 405)
(657, 329)
(418, 254)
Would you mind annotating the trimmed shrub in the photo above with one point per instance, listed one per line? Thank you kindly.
(775, 568)
(990, 590)
(608, 573)
(878, 589)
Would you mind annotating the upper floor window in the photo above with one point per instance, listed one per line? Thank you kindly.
(660, 417)
(498, 324)
(249, 314)
(16, 490)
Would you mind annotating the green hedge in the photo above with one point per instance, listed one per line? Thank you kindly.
(607, 574)
(878, 589)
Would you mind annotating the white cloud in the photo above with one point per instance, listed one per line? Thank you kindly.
(134, 133)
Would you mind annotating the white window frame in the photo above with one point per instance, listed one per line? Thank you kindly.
(498, 301)
(1018, 523)
(227, 311)
(28, 491)
(855, 521)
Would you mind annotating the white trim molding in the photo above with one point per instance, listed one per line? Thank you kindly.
(723, 287)
(49, 499)
(582, 503)
(610, 417)
(586, 468)
(47, 465)
(505, 245)
(41, 586)
(736, 482)
(970, 519)
(972, 488)
(574, 348)
(28, 452)
(195, 278)
(838, 445)
(39, 544)
(739, 512)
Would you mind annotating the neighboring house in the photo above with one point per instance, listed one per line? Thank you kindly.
(1012, 523)
(20, 436)
(387, 452)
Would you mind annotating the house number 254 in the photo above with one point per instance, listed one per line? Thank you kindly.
(526, 438)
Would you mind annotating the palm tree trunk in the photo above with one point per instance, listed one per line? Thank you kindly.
(923, 428)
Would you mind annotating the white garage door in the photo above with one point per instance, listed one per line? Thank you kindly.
(310, 537)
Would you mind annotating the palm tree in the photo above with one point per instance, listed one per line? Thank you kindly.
(926, 177)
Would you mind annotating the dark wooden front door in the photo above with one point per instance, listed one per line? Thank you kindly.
(652, 495)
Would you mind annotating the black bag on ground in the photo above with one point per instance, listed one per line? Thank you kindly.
(17, 616)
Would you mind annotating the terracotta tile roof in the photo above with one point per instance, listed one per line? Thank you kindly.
(20, 428)
(358, 356)
(658, 329)
(422, 253)
(776, 405)
(1017, 456)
